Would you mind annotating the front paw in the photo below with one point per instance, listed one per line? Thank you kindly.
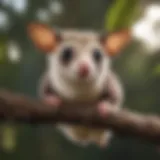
(104, 107)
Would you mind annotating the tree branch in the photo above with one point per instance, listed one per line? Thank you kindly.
(26, 110)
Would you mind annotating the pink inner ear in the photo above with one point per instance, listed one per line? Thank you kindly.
(115, 42)
(42, 36)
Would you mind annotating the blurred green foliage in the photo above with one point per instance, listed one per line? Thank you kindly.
(3, 48)
(8, 137)
(156, 70)
(121, 14)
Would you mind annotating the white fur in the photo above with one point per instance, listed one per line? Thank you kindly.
(67, 84)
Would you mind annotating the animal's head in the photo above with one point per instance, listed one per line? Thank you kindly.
(77, 56)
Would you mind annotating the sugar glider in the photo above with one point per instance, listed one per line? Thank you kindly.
(79, 69)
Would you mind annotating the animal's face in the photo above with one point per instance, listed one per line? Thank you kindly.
(78, 58)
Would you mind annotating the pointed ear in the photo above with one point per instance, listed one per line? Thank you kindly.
(115, 42)
(42, 36)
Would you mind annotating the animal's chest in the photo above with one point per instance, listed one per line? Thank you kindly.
(82, 94)
(86, 95)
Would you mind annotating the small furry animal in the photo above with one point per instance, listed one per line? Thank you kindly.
(79, 69)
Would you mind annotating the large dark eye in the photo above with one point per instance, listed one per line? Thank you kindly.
(67, 54)
(97, 55)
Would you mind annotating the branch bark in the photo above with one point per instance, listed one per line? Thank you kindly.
(23, 109)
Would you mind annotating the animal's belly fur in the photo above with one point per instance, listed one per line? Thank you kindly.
(83, 133)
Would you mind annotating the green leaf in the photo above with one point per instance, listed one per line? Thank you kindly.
(121, 14)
